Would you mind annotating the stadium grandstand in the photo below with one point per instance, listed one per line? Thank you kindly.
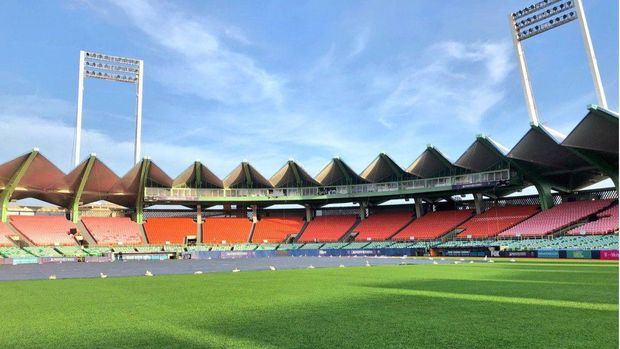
(433, 219)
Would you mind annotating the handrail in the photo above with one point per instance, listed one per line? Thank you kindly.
(463, 181)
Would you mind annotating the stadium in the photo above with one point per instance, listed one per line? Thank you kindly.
(439, 253)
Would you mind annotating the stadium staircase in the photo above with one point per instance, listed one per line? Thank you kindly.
(90, 241)
(251, 232)
(350, 235)
(451, 235)
(301, 232)
(23, 240)
(402, 228)
(143, 233)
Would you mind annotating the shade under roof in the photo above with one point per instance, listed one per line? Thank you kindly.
(384, 169)
(246, 176)
(538, 154)
(292, 175)
(197, 175)
(431, 163)
(100, 184)
(337, 172)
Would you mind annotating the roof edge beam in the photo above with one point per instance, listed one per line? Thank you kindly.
(599, 163)
(75, 205)
(7, 193)
(296, 173)
(197, 174)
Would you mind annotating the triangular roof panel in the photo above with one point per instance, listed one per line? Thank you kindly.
(384, 169)
(337, 172)
(431, 163)
(292, 175)
(482, 155)
(188, 178)
(246, 176)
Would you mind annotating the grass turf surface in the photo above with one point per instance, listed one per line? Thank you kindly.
(522, 305)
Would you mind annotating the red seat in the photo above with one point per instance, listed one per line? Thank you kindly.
(381, 225)
(275, 229)
(433, 225)
(606, 223)
(45, 230)
(495, 220)
(113, 230)
(555, 218)
(327, 228)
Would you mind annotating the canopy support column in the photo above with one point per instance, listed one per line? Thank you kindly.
(144, 171)
(75, 206)
(419, 210)
(199, 223)
(363, 207)
(598, 162)
(544, 195)
(7, 193)
(478, 203)
(309, 213)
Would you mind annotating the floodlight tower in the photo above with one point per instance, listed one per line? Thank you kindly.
(539, 18)
(112, 68)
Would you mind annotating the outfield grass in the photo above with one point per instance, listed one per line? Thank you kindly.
(524, 304)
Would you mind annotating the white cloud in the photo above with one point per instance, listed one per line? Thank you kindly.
(201, 60)
(464, 80)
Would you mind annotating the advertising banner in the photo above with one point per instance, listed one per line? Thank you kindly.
(23, 260)
(45, 260)
(608, 254)
(581, 254)
(548, 254)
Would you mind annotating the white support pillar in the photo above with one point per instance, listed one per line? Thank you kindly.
(363, 207)
(419, 211)
(587, 41)
(78, 121)
(478, 203)
(309, 213)
(525, 79)
(138, 140)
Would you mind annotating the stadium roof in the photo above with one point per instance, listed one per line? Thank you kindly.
(197, 175)
(246, 176)
(541, 157)
(431, 163)
(483, 155)
(337, 172)
(596, 135)
(292, 175)
(384, 169)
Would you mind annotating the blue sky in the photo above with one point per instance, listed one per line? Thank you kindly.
(266, 81)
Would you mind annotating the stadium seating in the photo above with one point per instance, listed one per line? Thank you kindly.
(97, 250)
(229, 229)
(172, 230)
(13, 252)
(5, 232)
(334, 245)
(267, 247)
(327, 228)
(495, 220)
(42, 251)
(590, 242)
(378, 244)
(284, 247)
(381, 225)
(113, 230)
(606, 223)
(355, 245)
(558, 217)
(71, 251)
(244, 247)
(272, 229)
(147, 249)
(45, 230)
(433, 225)
(311, 246)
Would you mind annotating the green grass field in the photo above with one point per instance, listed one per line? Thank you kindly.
(528, 304)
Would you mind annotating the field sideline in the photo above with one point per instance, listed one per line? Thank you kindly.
(530, 303)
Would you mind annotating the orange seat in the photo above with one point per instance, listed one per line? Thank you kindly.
(215, 230)
(161, 230)
(381, 225)
(276, 229)
(327, 228)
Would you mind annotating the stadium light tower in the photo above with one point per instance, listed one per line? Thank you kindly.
(112, 68)
(539, 18)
